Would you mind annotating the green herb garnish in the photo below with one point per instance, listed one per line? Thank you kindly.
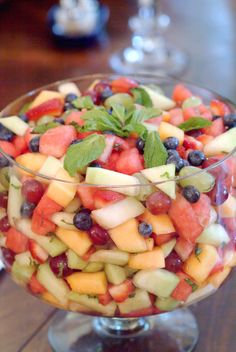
(83, 103)
(45, 127)
(14, 186)
(81, 154)
(192, 284)
(194, 123)
(119, 112)
(166, 174)
(141, 97)
(67, 223)
(155, 153)
(197, 252)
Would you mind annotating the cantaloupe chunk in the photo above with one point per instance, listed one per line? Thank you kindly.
(218, 278)
(228, 208)
(149, 260)
(32, 161)
(88, 283)
(47, 296)
(161, 224)
(62, 193)
(127, 238)
(201, 262)
(168, 130)
(77, 240)
(44, 96)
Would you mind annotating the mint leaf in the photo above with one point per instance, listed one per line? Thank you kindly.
(141, 97)
(83, 103)
(144, 114)
(192, 284)
(138, 128)
(100, 120)
(81, 154)
(195, 123)
(155, 153)
(118, 111)
(45, 127)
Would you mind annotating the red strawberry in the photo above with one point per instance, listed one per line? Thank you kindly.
(122, 291)
(192, 143)
(37, 252)
(110, 141)
(35, 286)
(219, 108)
(52, 107)
(123, 85)
(105, 197)
(180, 93)
(105, 298)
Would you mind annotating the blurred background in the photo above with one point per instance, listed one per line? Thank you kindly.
(39, 45)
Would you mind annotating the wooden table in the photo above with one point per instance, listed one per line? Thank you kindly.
(206, 29)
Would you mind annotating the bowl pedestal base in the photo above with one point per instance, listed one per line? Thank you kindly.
(175, 331)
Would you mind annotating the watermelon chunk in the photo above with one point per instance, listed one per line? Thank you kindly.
(185, 219)
(105, 197)
(180, 93)
(86, 195)
(183, 289)
(129, 162)
(9, 148)
(41, 225)
(202, 209)
(55, 141)
(75, 116)
(16, 241)
(216, 128)
(123, 85)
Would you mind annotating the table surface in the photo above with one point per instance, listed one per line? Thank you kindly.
(28, 58)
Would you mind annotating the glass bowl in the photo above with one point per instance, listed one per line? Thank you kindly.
(156, 295)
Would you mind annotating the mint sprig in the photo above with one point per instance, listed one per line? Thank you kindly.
(83, 103)
(155, 153)
(141, 97)
(81, 154)
(45, 127)
(194, 123)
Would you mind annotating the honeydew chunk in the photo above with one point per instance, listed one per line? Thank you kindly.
(103, 177)
(93, 267)
(159, 100)
(115, 274)
(149, 260)
(15, 200)
(201, 262)
(51, 244)
(111, 256)
(215, 234)
(161, 224)
(21, 274)
(73, 205)
(78, 241)
(162, 174)
(219, 277)
(62, 192)
(160, 282)
(130, 271)
(44, 96)
(200, 294)
(127, 237)
(167, 304)
(223, 143)
(88, 283)
(117, 213)
(49, 168)
(15, 124)
(74, 261)
(228, 208)
(140, 300)
(93, 304)
(119, 98)
(64, 220)
(144, 191)
(57, 287)
(24, 258)
(166, 130)
(68, 88)
(168, 247)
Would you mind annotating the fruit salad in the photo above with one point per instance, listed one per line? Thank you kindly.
(118, 199)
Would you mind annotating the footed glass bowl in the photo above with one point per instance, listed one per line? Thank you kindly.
(128, 282)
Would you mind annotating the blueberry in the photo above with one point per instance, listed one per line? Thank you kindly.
(107, 92)
(23, 117)
(191, 194)
(196, 157)
(186, 163)
(171, 143)
(59, 120)
(95, 164)
(27, 209)
(3, 161)
(34, 144)
(109, 132)
(140, 143)
(172, 152)
(216, 117)
(82, 220)
(230, 120)
(194, 133)
(5, 134)
(68, 106)
(70, 97)
(145, 229)
(179, 163)
(76, 141)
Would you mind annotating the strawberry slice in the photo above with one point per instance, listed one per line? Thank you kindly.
(192, 143)
(219, 108)
(105, 197)
(35, 286)
(123, 85)
(105, 298)
(37, 252)
(52, 107)
(110, 141)
(122, 291)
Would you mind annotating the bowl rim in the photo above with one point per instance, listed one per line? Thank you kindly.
(95, 76)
